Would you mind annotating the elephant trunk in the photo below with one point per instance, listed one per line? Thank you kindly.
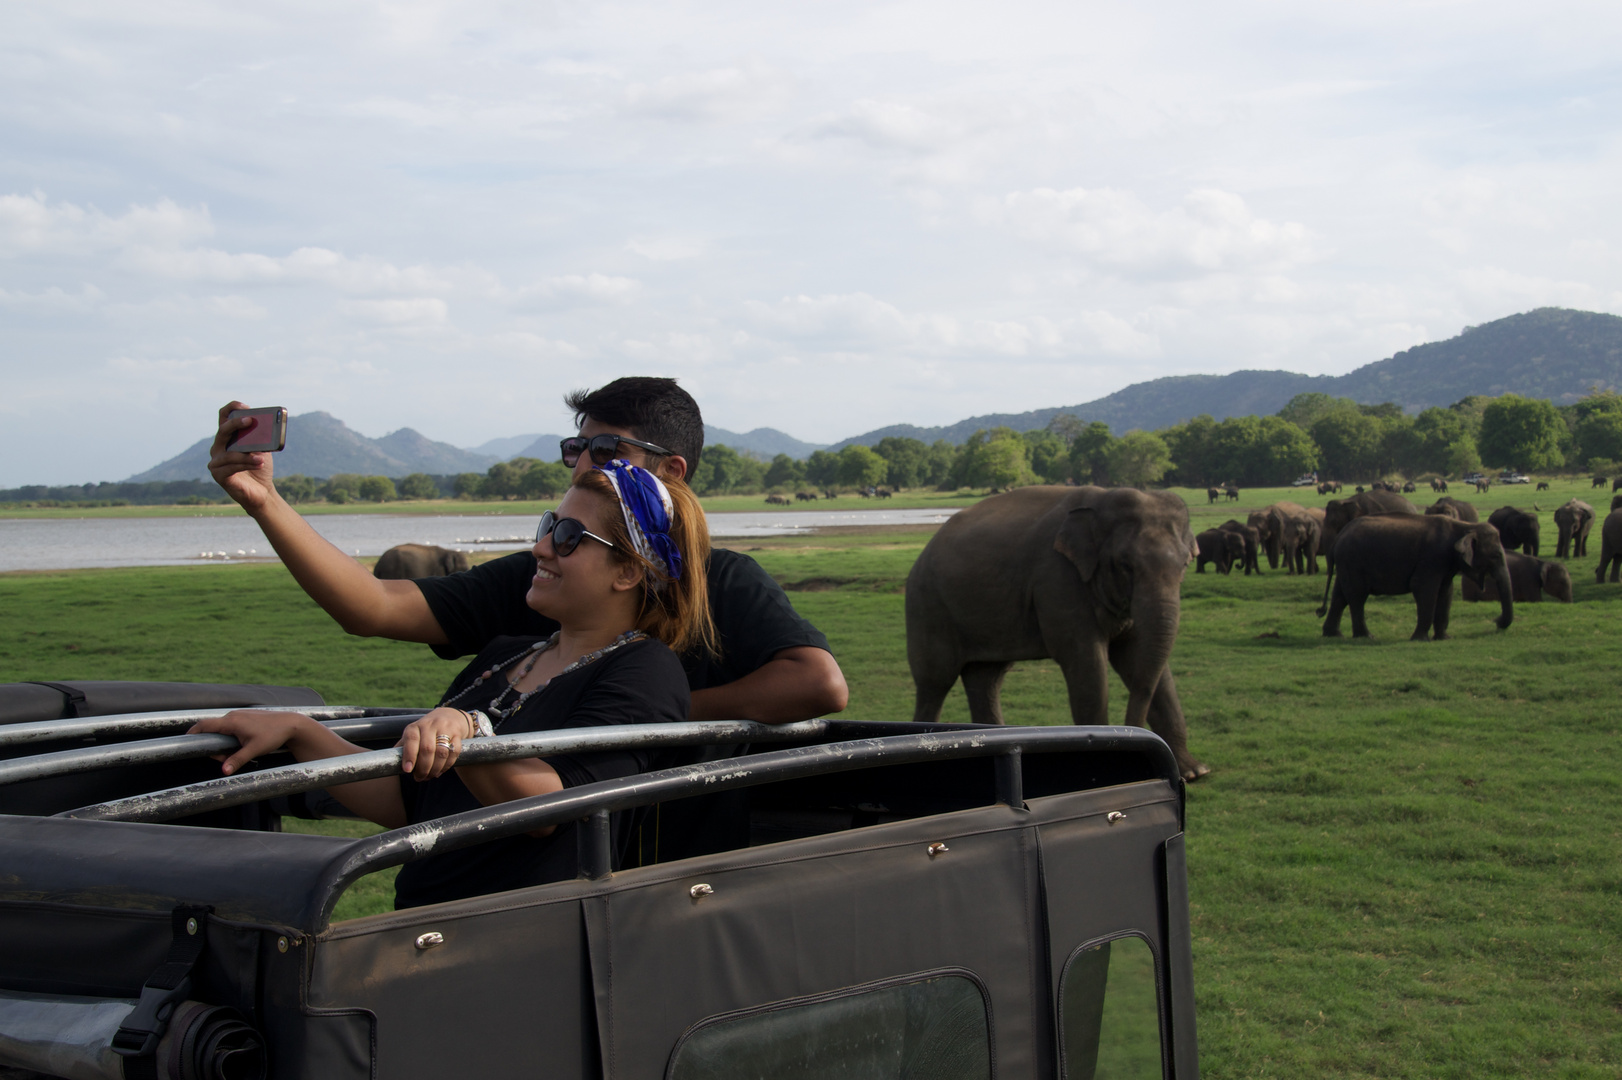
(1154, 631)
(1506, 595)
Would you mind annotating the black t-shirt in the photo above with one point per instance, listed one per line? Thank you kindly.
(638, 683)
(753, 617)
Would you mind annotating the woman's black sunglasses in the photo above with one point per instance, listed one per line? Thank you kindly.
(566, 534)
(604, 448)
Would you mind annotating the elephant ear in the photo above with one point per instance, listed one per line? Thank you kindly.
(1545, 572)
(1080, 540)
(1466, 547)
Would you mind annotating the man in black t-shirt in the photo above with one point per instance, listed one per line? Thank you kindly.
(774, 666)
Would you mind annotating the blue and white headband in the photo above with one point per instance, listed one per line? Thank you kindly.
(645, 502)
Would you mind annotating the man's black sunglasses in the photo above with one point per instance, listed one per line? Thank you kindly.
(604, 448)
(566, 534)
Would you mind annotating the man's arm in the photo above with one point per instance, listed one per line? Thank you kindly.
(798, 683)
(361, 604)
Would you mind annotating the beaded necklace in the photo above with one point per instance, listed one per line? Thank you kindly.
(500, 712)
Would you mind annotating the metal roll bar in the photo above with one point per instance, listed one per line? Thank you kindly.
(300, 776)
(174, 748)
(146, 725)
(472, 827)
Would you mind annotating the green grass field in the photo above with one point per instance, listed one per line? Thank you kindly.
(1407, 862)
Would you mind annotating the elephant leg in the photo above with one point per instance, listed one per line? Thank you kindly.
(935, 666)
(1337, 605)
(1444, 609)
(1166, 719)
(982, 682)
(1360, 624)
(1086, 678)
(1425, 602)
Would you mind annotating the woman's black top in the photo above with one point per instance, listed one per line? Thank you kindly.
(638, 683)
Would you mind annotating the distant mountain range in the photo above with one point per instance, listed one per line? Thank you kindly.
(319, 444)
(1550, 353)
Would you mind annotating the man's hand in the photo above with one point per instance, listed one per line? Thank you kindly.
(798, 683)
(245, 477)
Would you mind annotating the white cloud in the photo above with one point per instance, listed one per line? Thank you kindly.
(574, 289)
(862, 323)
(1211, 231)
(31, 224)
(417, 311)
(665, 248)
(726, 93)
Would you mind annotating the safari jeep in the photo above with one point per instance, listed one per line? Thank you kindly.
(939, 902)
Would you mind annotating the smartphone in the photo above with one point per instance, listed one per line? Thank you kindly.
(267, 434)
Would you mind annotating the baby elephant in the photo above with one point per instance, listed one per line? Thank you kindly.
(1221, 547)
(406, 562)
(1529, 579)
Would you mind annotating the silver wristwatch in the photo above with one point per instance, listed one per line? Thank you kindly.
(483, 729)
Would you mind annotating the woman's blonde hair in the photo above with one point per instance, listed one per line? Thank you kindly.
(676, 611)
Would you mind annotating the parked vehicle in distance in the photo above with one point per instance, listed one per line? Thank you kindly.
(1305, 480)
(1471, 478)
(950, 901)
(1513, 478)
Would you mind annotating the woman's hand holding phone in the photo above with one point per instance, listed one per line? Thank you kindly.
(246, 477)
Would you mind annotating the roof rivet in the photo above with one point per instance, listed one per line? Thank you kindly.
(281, 944)
(430, 939)
(699, 890)
(191, 927)
(937, 848)
(1113, 816)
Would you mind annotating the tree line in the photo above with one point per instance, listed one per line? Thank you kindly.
(1336, 437)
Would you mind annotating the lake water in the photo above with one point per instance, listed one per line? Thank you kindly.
(74, 543)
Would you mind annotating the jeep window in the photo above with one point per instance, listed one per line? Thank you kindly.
(1109, 1013)
(930, 1028)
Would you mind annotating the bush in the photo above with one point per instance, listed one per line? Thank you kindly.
(419, 486)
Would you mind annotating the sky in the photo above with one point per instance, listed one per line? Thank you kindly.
(822, 218)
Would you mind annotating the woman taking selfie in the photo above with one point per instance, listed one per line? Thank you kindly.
(619, 566)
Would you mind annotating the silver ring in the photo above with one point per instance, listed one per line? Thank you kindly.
(442, 740)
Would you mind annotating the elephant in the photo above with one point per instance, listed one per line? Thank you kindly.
(1610, 546)
(405, 562)
(1231, 492)
(1529, 579)
(1338, 513)
(1616, 502)
(1518, 528)
(1575, 520)
(1543, 485)
(1252, 541)
(1454, 508)
(1600, 481)
(1438, 484)
(1212, 494)
(1221, 547)
(1283, 528)
(777, 500)
(1392, 554)
(1089, 576)
(1409, 488)
(1616, 485)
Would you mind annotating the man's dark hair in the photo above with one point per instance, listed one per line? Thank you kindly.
(654, 410)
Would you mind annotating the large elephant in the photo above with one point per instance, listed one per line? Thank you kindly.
(1518, 528)
(1616, 502)
(1392, 554)
(1089, 576)
(1252, 541)
(1288, 532)
(406, 562)
(1219, 546)
(1610, 546)
(1339, 513)
(1575, 520)
(1529, 579)
(1454, 508)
